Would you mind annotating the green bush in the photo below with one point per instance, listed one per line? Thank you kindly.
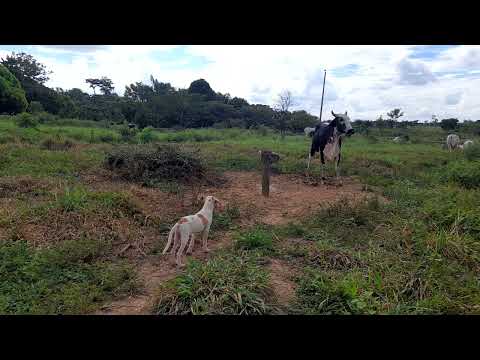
(126, 132)
(26, 120)
(12, 96)
(463, 173)
(146, 135)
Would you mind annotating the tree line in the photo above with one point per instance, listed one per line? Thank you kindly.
(157, 104)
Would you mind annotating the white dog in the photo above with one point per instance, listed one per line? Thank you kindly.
(186, 228)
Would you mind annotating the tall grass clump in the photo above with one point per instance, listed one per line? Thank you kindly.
(228, 284)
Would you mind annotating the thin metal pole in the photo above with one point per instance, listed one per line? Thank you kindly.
(323, 90)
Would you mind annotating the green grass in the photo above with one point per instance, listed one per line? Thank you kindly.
(230, 283)
(21, 160)
(256, 238)
(417, 254)
(71, 278)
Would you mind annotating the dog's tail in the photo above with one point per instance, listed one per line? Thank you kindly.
(170, 238)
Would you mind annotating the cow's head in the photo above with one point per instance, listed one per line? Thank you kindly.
(343, 123)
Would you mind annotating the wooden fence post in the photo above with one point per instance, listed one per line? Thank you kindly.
(268, 158)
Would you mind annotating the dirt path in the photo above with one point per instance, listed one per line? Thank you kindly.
(291, 197)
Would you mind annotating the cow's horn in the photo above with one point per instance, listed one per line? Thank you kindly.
(334, 114)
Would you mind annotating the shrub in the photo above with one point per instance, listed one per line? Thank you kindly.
(26, 120)
(148, 163)
(146, 135)
(126, 132)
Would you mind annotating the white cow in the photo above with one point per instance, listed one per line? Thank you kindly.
(309, 131)
(453, 142)
(467, 143)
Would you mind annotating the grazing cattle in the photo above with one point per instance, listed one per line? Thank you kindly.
(327, 140)
(309, 131)
(397, 139)
(453, 142)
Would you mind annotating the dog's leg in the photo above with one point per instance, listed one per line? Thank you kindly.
(169, 241)
(192, 242)
(183, 244)
(205, 237)
(176, 241)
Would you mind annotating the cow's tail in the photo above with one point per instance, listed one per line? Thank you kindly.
(170, 238)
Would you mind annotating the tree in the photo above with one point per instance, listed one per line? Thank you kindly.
(449, 124)
(139, 92)
(299, 120)
(202, 87)
(12, 96)
(395, 114)
(104, 84)
(24, 66)
(283, 104)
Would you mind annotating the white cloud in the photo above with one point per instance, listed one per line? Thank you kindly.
(382, 77)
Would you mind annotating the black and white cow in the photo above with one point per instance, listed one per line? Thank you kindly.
(327, 140)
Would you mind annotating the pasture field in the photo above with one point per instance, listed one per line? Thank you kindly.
(401, 236)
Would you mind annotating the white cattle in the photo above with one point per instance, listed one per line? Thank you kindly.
(453, 142)
(309, 131)
(467, 143)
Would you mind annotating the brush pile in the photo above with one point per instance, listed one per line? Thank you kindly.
(149, 164)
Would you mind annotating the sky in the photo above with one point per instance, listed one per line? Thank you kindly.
(366, 81)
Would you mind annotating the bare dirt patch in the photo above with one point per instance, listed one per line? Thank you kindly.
(281, 280)
(291, 198)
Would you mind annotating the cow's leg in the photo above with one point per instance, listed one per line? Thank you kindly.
(322, 166)
(308, 161)
(337, 169)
